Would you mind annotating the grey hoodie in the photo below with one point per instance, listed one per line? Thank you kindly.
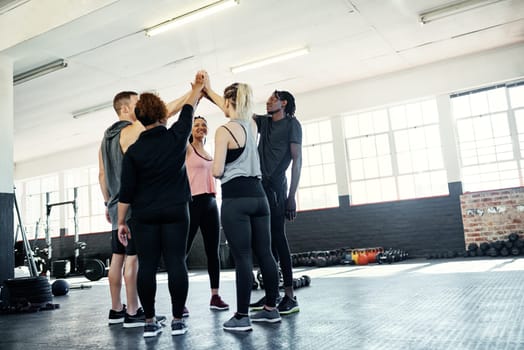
(112, 156)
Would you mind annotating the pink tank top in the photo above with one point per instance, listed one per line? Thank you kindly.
(198, 168)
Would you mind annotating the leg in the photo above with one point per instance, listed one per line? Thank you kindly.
(210, 228)
(237, 228)
(130, 277)
(174, 242)
(194, 222)
(149, 247)
(262, 248)
(115, 272)
(281, 246)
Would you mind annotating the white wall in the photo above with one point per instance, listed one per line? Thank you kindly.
(440, 78)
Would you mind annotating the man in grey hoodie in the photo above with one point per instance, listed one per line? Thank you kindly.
(124, 262)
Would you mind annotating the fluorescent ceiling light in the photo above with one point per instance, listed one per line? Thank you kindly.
(453, 8)
(191, 16)
(39, 71)
(269, 60)
(89, 110)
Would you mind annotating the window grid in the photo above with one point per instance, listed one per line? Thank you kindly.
(318, 184)
(490, 130)
(395, 153)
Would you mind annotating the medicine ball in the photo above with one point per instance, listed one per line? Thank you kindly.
(60, 287)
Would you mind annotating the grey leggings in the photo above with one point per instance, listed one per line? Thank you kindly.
(246, 225)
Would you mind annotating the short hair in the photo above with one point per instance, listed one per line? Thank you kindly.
(150, 108)
(122, 98)
(287, 96)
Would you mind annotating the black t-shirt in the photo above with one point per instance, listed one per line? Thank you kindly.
(154, 179)
(274, 147)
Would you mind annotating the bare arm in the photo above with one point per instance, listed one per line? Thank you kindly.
(296, 168)
(102, 183)
(175, 106)
(212, 95)
(219, 162)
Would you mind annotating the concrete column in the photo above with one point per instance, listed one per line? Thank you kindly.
(6, 170)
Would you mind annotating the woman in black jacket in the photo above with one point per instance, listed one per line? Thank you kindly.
(154, 185)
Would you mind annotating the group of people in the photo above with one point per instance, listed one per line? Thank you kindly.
(158, 185)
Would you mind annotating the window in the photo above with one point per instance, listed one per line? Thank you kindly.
(38, 193)
(89, 201)
(490, 128)
(395, 153)
(318, 182)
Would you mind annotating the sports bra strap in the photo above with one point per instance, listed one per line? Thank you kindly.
(233, 136)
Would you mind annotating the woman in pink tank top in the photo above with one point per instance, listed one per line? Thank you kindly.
(203, 210)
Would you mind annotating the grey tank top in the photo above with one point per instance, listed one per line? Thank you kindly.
(248, 163)
(112, 157)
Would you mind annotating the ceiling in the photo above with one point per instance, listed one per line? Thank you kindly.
(107, 51)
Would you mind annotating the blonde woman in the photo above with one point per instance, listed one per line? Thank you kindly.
(245, 214)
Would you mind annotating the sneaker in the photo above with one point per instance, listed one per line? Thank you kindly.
(116, 317)
(178, 327)
(269, 316)
(259, 305)
(139, 319)
(185, 313)
(288, 305)
(152, 329)
(238, 325)
(217, 303)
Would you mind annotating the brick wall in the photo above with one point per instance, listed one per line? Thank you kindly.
(492, 215)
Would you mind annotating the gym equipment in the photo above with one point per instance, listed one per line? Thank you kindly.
(261, 280)
(94, 269)
(27, 247)
(60, 287)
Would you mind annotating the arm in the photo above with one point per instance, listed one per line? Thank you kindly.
(296, 168)
(221, 141)
(175, 106)
(102, 183)
(212, 95)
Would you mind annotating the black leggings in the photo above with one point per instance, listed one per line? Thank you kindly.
(169, 241)
(246, 225)
(279, 244)
(203, 213)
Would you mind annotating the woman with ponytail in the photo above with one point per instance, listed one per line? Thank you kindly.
(245, 211)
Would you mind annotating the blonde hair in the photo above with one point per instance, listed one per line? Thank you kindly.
(241, 97)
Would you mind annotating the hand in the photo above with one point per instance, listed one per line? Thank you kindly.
(108, 218)
(207, 82)
(291, 209)
(198, 84)
(123, 234)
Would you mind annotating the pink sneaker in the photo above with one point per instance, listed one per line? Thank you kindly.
(217, 303)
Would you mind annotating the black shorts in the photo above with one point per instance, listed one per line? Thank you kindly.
(118, 248)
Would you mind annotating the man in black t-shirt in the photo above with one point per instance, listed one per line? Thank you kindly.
(279, 146)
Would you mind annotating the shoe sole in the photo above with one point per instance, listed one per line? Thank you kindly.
(238, 329)
(256, 308)
(266, 320)
(152, 334)
(134, 325)
(218, 308)
(115, 321)
(290, 311)
(179, 332)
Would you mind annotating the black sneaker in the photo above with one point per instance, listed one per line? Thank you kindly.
(139, 319)
(288, 305)
(178, 327)
(116, 317)
(152, 329)
(259, 305)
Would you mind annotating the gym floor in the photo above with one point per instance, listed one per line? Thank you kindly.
(415, 304)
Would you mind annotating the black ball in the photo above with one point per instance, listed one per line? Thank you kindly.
(60, 287)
